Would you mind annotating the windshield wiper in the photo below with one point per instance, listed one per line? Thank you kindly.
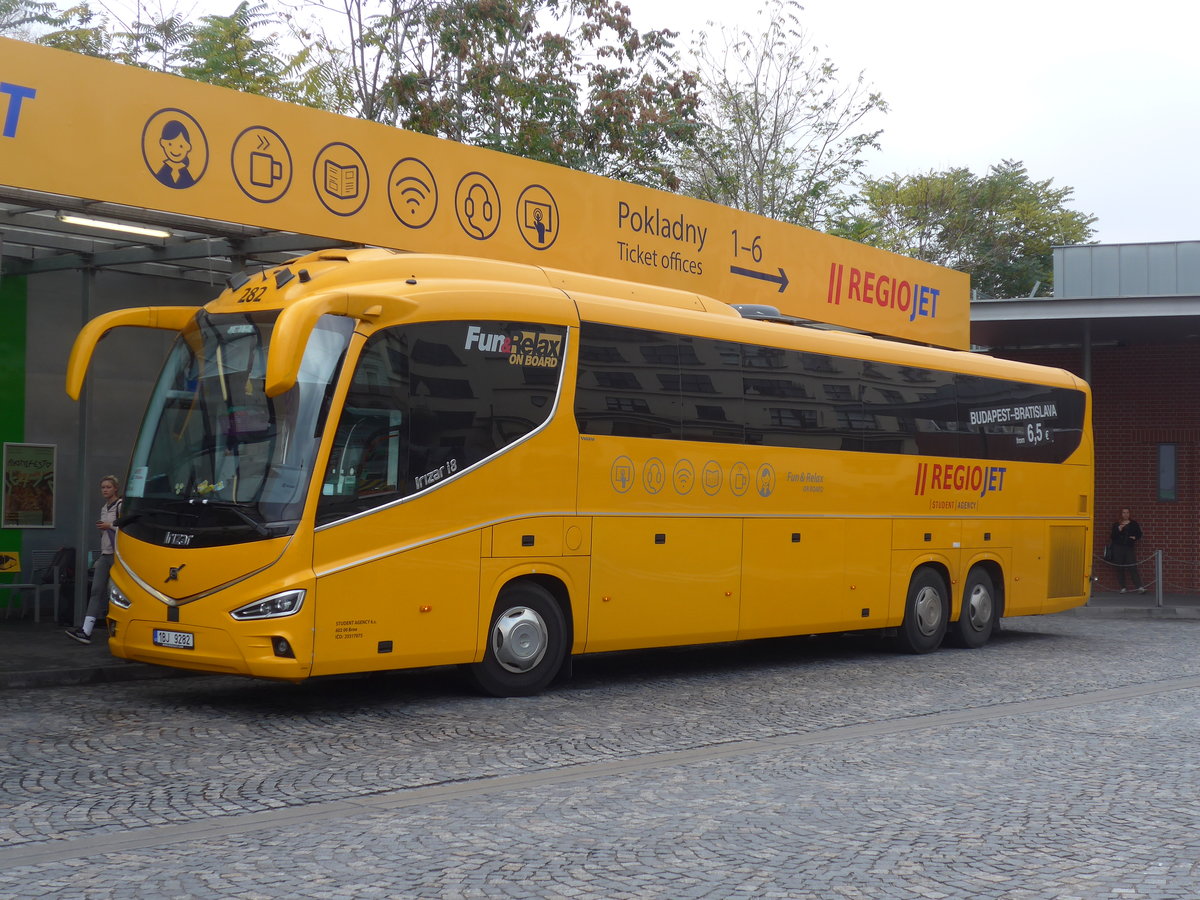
(239, 510)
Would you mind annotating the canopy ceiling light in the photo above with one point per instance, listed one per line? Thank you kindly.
(123, 227)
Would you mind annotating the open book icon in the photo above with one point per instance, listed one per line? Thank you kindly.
(341, 181)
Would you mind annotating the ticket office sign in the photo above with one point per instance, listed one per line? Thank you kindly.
(90, 128)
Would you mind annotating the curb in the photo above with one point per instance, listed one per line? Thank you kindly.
(1136, 612)
(110, 674)
(118, 671)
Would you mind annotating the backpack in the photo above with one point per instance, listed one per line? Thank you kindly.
(64, 561)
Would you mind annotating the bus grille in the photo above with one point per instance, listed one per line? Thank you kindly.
(1066, 561)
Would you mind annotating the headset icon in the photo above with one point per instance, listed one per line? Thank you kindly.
(469, 203)
(485, 213)
(478, 206)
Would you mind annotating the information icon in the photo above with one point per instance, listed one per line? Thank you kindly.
(175, 149)
(684, 476)
(712, 477)
(537, 217)
(739, 479)
(654, 475)
(622, 474)
(764, 480)
(340, 179)
(412, 192)
(262, 164)
(477, 205)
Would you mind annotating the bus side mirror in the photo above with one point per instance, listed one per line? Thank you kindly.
(166, 318)
(296, 322)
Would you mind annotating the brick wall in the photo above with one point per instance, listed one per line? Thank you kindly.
(1144, 395)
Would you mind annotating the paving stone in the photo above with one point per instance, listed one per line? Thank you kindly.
(998, 773)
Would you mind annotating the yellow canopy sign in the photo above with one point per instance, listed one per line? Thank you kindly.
(89, 128)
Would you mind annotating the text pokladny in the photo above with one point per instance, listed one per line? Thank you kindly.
(652, 221)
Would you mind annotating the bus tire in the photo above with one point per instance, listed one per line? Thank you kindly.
(526, 643)
(926, 611)
(977, 618)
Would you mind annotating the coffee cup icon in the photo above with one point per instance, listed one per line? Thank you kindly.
(265, 169)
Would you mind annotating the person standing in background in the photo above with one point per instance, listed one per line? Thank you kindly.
(1126, 535)
(110, 511)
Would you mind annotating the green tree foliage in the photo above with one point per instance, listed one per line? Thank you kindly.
(999, 227)
(571, 82)
(243, 50)
(75, 28)
(239, 51)
(154, 43)
(782, 136)
(22, 18)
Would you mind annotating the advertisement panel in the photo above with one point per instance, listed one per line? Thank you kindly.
(90, 128)
(28, 500)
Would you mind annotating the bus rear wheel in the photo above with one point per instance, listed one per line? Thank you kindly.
(926, 611)
(526, 643)
(978, 615)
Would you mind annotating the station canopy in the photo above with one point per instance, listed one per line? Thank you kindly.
(42, 232)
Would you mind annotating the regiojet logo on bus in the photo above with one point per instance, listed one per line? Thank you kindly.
(959, 478)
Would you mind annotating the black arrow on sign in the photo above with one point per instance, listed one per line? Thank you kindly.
(781, 279)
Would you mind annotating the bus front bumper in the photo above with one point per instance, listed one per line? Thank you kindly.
(203, 649)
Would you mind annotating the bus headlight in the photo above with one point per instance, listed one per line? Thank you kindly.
(272, 607)
(116, 597)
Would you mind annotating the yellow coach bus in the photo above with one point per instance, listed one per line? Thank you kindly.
(369, 460)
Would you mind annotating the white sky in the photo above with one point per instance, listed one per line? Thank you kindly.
(1100, 96)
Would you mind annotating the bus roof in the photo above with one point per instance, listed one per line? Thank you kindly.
(365, 283)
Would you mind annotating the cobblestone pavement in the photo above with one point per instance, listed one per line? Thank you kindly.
(1061, 761)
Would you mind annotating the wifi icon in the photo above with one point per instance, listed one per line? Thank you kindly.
(412, 193)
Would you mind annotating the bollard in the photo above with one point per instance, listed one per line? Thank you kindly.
(1158, 578)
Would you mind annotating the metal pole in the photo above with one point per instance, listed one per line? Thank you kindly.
(83, 505)
(1158, 580)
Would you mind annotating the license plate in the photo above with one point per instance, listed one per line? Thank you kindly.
(182, 639)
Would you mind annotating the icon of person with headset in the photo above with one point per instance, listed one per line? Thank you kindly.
(478, 207)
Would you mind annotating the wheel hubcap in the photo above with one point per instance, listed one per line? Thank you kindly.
(979, 607)
(929, 611)
(519, 639)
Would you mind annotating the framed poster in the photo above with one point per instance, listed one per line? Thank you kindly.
(28, 496)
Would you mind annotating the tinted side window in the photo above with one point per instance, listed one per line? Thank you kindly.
(1019, 421)
(914, 410)
(428, 401)
(710, 389)
(837, 383)
(629, 382)
(781, 410)
(797, 399)
(643, 383)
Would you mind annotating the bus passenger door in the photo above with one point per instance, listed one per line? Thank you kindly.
(663, 582)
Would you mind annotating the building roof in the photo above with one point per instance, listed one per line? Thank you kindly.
(1104, 294)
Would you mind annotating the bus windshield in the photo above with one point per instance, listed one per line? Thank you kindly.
(217, 460)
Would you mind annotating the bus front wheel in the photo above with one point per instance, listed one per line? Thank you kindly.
(978, 615)
(526, 643)
(926, 611)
